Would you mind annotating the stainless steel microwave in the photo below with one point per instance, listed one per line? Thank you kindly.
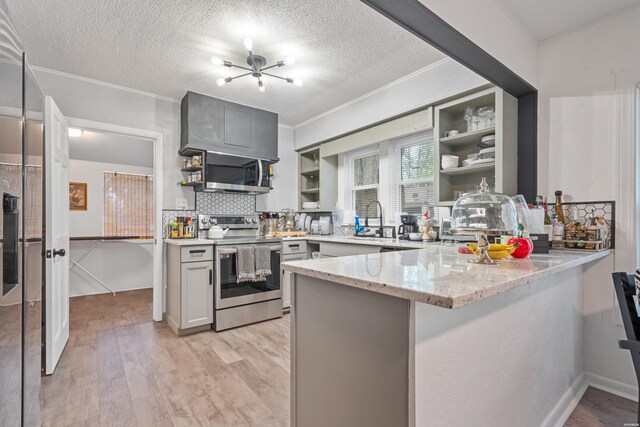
(235, 174)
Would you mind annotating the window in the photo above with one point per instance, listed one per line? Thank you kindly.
(11, 183)
(413, 173)
(364, 179)
(128, 205)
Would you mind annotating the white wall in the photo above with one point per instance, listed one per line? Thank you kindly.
(91, 100)
(490, 25)
(586, 148)
(285, 176)
(120, 265)
(89, 222)
(425, 87)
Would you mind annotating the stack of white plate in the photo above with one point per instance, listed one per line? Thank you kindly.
(488, 141)
(310, 205)
(487, 153)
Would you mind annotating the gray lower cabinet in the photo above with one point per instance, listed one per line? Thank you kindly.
(197, 294)
(189, 288)
(291, 251)
(331, 249)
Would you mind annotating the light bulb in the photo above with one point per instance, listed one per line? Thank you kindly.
(261, 87)
(297, 82)
(217, 61)
(220, 82)
(248, 43)
(74, 133)
(290, 61)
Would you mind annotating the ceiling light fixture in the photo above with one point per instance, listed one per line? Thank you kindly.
(74, 133)
(257, 68)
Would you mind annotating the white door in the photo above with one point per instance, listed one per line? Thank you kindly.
(56, 137)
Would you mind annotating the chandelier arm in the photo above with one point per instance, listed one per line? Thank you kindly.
(269, 67)
(273, 75)
(241, 75)
(241, 67)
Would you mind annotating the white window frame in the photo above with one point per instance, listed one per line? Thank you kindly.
(350, 188)
(396, 181)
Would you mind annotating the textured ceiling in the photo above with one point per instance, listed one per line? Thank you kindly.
(548, 18)
(343, 48)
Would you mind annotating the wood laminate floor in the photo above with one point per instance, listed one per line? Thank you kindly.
(121, 368)
(599, 408)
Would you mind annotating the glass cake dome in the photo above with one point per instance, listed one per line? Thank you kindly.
(484, 214)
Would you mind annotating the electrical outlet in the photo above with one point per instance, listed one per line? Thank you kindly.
(181, 204)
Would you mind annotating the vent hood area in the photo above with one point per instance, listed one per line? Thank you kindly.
(219, 126)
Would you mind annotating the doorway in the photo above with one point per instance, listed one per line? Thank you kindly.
(115, 199)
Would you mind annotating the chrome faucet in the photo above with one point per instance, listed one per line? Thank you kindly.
(366, 217)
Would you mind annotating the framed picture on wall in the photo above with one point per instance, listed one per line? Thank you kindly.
(77, 196)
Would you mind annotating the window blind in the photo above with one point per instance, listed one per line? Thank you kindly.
(365, 179)
(128, 205)
(413, 167)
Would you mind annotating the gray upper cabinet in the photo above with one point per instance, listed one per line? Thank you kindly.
(211, 124)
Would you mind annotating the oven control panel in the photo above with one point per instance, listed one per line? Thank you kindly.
(205, 222)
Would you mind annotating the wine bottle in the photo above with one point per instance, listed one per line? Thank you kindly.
(547, 220)
(559, 211)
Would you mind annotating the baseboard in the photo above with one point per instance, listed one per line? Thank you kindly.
(612, 386)
(567, 403)
(117, 291)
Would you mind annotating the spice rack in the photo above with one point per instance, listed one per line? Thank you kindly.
(193, 167)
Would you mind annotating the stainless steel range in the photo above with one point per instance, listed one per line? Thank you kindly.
(238, 304)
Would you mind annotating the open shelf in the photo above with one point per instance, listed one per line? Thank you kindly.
(191, 184)
(468, 137)
(311, 191)
(191, 169)
(469, 169)
(312, 172)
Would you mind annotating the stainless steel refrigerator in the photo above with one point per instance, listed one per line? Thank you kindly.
(21, 160)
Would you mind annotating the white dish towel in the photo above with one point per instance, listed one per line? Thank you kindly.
(245, 263)
(263, 262)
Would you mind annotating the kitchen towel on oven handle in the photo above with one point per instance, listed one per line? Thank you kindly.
(263, 262)
(246, 263)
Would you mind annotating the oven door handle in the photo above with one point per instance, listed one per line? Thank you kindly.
(225, 252)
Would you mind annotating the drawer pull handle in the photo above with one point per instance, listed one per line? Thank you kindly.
(197, 251)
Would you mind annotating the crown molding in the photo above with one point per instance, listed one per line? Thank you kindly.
(101, 83)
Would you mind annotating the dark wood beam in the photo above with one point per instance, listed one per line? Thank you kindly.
(426, 25)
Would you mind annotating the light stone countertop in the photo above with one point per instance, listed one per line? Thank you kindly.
(438, 275)
(370, 241)
(189, 242)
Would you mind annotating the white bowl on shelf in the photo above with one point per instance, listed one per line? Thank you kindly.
(310, 205)
(449, 162)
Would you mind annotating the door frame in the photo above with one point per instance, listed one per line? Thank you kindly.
(157, 138)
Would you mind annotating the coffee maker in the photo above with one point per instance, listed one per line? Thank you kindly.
(409, 225)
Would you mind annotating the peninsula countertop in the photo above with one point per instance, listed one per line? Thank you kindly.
(369, 241)
(438, 275)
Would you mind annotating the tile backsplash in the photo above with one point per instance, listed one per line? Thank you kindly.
(225, 204)
(214, 204)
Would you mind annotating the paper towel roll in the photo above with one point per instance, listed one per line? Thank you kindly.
(537, 221)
